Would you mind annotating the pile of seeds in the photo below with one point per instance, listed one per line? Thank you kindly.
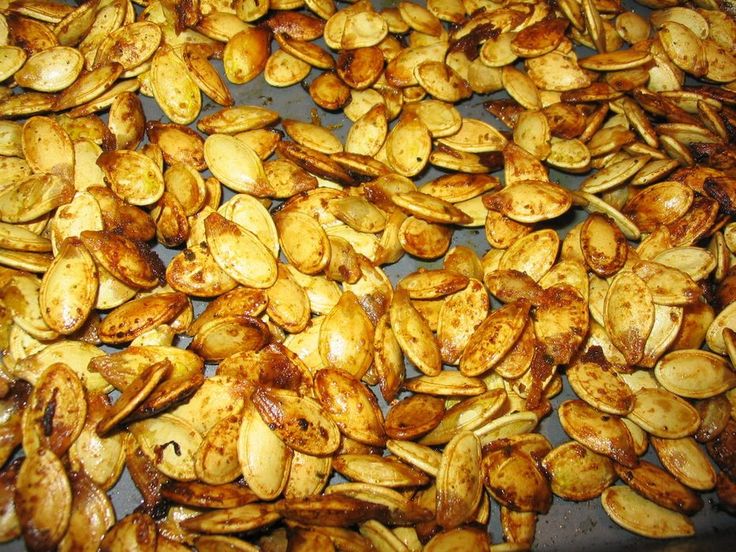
(279, 250)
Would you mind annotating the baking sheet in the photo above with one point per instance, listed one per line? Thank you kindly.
(568, 526)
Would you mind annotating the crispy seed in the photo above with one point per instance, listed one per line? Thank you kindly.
(495, 336)
(298, 421)
(220, 338)
(43, 499)
(264, 458)
(628, 293)
(599, 386)
(459, 485)
(351, 405)
(684, 459)
(69, 287)
(170, 443)
(56, 411)
(136, 530)
(121, 257)
(694, 373)
(132, 396)
(235, 164)
(530, 201)
(303, 241)
(577, 473)
(408, 146)
(239, 253)
(660, 487)
(513, 478)
(414, 335)
(602, 433)
(533, 254)
(133, 176)
(603, 244)
(472, 414)
(643, 517)
(664, 414)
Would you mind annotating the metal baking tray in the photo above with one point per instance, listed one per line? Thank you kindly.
(568, 526)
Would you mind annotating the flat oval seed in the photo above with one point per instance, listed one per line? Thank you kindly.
(668, 285)
(12, 59)
(136, 531)
(473, 414)
(239, 253)
(714, 336)
(513, 478)
(346, 337)
(57, 402)
(121, 257)
(298, 421)
(657, 485)
(533, 254)
(351, 405)
(530, 201)
(51, 70)
(386, 471)
(629, 315)
(264, 458)
(236, 165)
(459, 317)
(220, 338)
(408, 146)
(414, 416)
(303, 241)
(601, 387)
(132, 176)
(687, 461)
(170, 443)
(132, 396)
(43, 499)
(695, 374)
(173, 88)
(414, 334)
(577, 473)
(602, 433)
(643, 517)
(430, 208)
(604, 246)
(664, 414)
(459, 485)
(683, 47)
(69, 288)
(494, 338)
(696, 262)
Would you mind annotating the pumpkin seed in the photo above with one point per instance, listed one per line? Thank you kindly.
(629, 292)
(569, 480)
(517, 471)
(239, 253)
(602, 433)
(43, 499)
(686, 461)
(664, 414)
(530, 201)
(599, 386)
(643, 517)
(459, 485)
(660, 487)
(69, 287)
(264, 458)
(299, 422)
(495, 336)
